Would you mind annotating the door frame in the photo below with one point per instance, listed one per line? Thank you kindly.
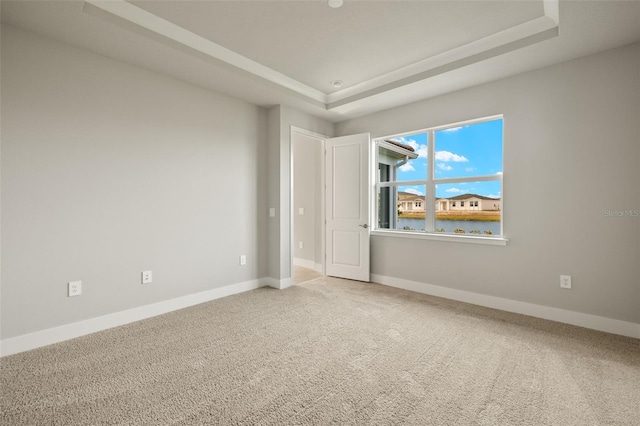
(294, 130)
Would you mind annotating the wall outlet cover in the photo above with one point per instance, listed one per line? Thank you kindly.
(74, 288)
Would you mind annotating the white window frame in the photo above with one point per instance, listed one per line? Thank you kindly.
(430, 183)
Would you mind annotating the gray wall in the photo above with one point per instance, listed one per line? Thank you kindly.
(109, 170)
(571, 153)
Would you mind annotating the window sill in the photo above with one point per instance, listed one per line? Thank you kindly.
(495, 241)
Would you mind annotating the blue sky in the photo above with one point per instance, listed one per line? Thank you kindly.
(470, 150)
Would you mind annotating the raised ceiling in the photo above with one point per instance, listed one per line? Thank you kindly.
(315, 44)
(288, 52)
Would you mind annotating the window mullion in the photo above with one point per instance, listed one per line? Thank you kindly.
(469, 179)
(402, 183)
(430, 196)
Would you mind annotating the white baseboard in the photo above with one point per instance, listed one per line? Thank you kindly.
(69, 331)
(309, 264)
(279, 284)
(594, 322)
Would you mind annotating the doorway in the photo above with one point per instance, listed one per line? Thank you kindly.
(307, 205)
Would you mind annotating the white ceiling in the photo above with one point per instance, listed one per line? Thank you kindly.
(287, 52)
(314, 44)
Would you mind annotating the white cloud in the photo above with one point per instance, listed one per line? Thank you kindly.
(456, 190)
(413, 191)
(450, 156)
(493, 196)
(421, 150)
(407, 167)
(445, 167)
(499, 173)
(453, 129)
(469, 169)
(406, 141)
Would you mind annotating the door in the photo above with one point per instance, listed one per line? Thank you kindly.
(347, 207)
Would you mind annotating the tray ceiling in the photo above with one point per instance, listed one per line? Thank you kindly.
(386, 53)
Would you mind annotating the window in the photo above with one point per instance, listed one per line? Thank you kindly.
(443, 180)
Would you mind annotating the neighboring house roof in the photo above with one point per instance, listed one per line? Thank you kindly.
(408, 196)
(397, 150)
(467, 196)
(400, 144)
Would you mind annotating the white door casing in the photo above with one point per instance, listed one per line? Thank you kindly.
(347, 206)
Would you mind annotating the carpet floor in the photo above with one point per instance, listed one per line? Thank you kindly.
(329, 351)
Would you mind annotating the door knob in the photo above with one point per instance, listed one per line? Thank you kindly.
(365, 226)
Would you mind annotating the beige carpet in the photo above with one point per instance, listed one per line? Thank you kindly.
(329, 352)
(301, 275)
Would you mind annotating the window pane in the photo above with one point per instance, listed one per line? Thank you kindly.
(469, 208)
(402, 208)
(469, 150)
(385, 208)
(402, 159)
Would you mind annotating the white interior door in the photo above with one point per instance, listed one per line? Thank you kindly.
(347, 207)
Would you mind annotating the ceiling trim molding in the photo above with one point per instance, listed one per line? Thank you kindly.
(446, 67)
(505, 41)
(133, 18)
(130, 16)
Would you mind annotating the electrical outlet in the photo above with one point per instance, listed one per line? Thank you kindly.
(301, 244)
(565, 281)
(301, 211)
(74, 288)
(147, 277)
(243, 260)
